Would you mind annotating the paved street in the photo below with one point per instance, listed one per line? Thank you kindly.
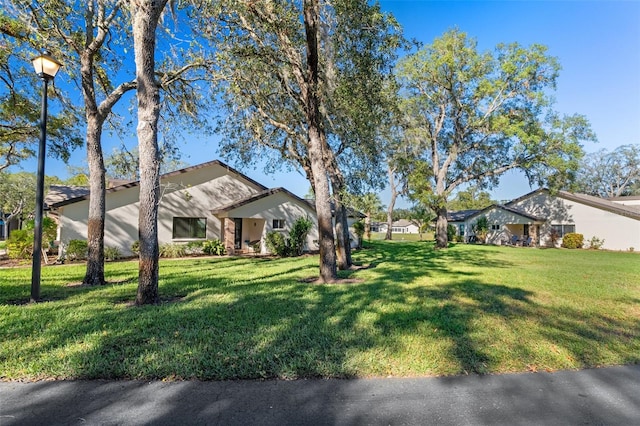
(608, 396)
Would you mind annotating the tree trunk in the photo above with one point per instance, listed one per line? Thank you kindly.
(95, 226)
(441, 227)
(367, 225)
(145, 15)
(392, 203)
(343, 237)
(328, 270)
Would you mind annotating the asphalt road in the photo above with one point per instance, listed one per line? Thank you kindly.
(607, 396)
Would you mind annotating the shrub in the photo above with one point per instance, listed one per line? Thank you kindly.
(213, 247)
(292, 245)
(596, 243)
(77, 250)
(451, 232)
(49, 230)
(20, 244)
(298, 235)
(173, 250)
(112, 253)
(481, 228)
(358, 228)
(135, 248)
(459, 238)
(572, 240)
(277, 244)
(194, 247)
(554, 236)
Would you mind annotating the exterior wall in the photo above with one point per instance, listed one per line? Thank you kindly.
(264, 211)
(619, 232)
(498, 217)
(192, 194)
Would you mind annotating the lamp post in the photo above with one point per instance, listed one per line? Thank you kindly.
(46, 68)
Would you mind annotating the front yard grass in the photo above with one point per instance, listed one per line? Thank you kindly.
(413, 312)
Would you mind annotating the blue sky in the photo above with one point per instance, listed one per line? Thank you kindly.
(597, 43)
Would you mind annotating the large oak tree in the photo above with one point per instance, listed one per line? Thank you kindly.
(471, 116)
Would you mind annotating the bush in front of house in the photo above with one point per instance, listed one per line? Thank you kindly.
(135, 248)
(298, 234)
(596, 243)
(194, 248)
(112, 253)
(173, 250)
(20, 244)
(213, 247)
(292, 245)
(358, 228)
(277, 244)
(573, 240)
(481, 229)
(77, 250)
(451, 232)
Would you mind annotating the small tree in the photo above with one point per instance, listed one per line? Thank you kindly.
(358, 227)
(481, 229)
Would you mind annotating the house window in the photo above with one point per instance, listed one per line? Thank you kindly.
(561, 230)
(278, 224)
(495, 227)
(189, 227)
(461, 229)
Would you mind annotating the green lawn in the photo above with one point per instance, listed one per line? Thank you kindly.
(415, 312)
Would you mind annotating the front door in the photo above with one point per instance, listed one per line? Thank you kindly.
(526, 231)
(237, 238)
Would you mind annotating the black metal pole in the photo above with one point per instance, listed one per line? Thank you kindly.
(37, 238)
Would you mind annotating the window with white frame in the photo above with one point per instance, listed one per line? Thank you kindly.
(189, 227)
(277, 224)
(495, 227)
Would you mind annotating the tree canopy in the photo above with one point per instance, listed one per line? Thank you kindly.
(471, 116)
(611, 173)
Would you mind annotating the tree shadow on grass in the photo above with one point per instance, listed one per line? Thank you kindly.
(273, 326)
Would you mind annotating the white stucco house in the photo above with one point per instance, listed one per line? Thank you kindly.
(206, 201)
(402, 226)
(534, 216)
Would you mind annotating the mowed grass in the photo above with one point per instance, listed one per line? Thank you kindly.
(413, 311)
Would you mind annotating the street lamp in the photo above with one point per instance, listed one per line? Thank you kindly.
(46, 68)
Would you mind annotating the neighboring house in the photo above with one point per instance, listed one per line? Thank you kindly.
(537, 214)
(378, 226)
(458, 220)
(207, 201)
(401, 226)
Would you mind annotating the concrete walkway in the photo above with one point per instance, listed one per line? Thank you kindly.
(607, 396)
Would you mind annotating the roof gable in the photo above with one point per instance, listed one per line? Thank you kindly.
(588, 200)
(84, 196)
(507, 209)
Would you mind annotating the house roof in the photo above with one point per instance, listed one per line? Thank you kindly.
(508, 209)
(460, 215)
(601, 203)
(402, 223)
(625, 198)
(74, 198)
(589, 200)
(60, 193)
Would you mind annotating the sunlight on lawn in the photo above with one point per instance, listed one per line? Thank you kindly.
(414, 311)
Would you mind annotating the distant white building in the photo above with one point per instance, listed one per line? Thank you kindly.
(401, 226)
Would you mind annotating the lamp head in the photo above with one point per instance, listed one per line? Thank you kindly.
(46, 66)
